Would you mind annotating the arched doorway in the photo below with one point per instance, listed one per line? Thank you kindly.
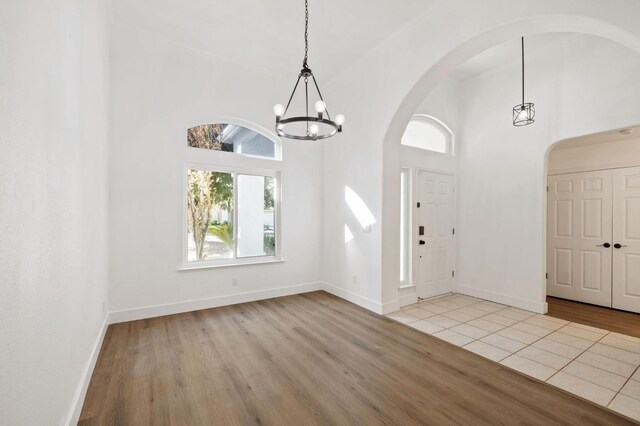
(530, 295)
(593, 231)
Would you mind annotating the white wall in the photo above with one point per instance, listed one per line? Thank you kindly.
(580, 86)
(53, 203)
(159, 89)
(598, 156)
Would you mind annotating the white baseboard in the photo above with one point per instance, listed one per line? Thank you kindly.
(527, 305)
(389, 307)
(362, 301)
(407, 299)
(210, 302)
(81, 392)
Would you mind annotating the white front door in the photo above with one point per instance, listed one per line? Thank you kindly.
(434, 234)
(579, 240)
(626, 239)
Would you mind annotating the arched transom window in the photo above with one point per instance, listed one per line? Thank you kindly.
(428, 133)
(231, 138)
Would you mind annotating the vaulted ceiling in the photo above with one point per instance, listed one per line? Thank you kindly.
(268, 35)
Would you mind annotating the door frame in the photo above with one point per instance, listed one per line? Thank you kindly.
(545, 201)
(578, 293)
(414, 171)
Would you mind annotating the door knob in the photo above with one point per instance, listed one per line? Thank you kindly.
(618, 245)
(422, 242)
(605, 245)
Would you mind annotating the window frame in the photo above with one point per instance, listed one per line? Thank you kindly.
(440, 126)
(236, 163)
(235, 260)
(406, 225)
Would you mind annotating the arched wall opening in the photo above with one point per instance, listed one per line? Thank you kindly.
(534, 298)
(591, 211)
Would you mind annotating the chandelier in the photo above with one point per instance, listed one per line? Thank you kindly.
(523, 113)
(306, 127)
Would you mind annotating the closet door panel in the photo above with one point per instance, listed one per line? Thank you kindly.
(578, 226)
(626, 239)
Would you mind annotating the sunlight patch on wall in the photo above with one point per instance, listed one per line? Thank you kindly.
(359, 208)
(348, 235)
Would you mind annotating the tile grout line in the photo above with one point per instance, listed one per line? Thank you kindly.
(576, 357)
(465, 322)
(625, 384)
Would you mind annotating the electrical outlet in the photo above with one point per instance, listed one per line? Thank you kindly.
(354, 278)
(234, 282)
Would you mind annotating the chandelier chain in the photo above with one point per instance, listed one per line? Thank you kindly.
(306, 33)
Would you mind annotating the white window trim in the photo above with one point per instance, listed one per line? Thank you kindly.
(408, 218)
(251, 260)
(449, 135)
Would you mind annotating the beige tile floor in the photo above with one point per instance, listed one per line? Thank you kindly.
(596, 364)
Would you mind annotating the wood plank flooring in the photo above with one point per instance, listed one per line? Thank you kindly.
(309, 359)
(595, 316)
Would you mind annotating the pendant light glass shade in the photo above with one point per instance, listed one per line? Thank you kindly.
(307, 127)
(523, 113)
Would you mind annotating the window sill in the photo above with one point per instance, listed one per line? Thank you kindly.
(229, 265)
(402, 286)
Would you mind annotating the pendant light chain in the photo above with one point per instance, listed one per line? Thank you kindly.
(306, 33)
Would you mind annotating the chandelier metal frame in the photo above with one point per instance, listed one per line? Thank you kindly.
(323, 116)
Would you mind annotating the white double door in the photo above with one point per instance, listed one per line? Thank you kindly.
(433, 235)
(593, 237)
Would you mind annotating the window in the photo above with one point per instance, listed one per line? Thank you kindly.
(428, 133)
(231, 138)
(405, 224)
(230, 215)
(231, 210)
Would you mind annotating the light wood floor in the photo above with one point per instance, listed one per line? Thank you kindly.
(309, 359)
(595, 316)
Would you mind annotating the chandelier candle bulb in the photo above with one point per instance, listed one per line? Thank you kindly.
(278, 110)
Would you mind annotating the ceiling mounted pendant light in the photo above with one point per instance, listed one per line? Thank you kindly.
(523, 114)
(308, 128)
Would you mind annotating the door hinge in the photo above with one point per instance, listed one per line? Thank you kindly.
(547, 188)
(453, 231)
(453, 273)
(546, 276)
(418, 205)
